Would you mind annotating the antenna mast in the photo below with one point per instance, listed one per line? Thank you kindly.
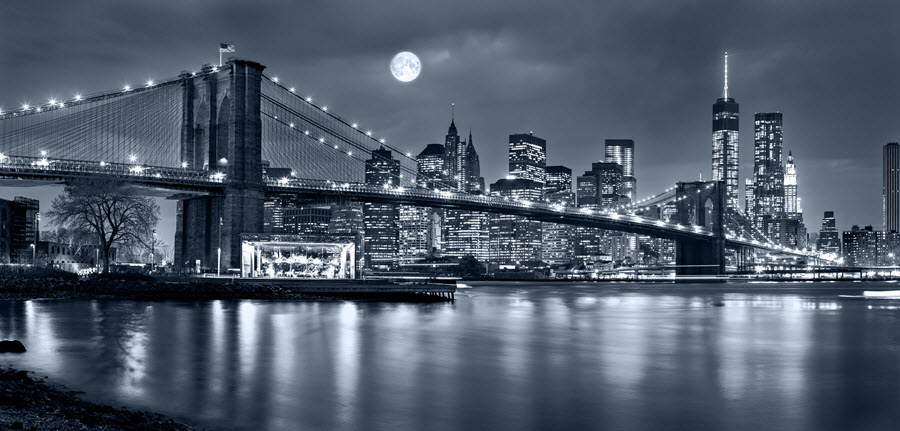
(726, 75)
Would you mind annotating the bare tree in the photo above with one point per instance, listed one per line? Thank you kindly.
(115, 212)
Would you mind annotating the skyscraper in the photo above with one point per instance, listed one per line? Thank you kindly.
(890, 190)
(381, 229)
(725, 155)
(621, 151)
(528, 157)
(420, 227)
(430, 172)
(749, 200)
(559, 179)
(768, 173)
(474, 180)
(791, 201)
(515, 239)
(460, 233)
(455, 153)
(829, 240)
(558, 239)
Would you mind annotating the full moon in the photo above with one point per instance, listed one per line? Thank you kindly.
(405, 66)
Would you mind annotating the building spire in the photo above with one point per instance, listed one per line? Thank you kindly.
(726, 75)
(452, 129)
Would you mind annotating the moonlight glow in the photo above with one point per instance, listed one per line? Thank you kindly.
(405, 66)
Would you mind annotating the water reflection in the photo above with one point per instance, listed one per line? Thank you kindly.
(502, 357)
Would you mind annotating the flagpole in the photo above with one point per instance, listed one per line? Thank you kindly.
(220, 57)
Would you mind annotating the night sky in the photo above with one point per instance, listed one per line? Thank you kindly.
(575, 75)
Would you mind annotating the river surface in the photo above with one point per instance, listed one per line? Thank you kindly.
(504, 356)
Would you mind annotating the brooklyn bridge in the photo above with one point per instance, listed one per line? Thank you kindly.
(223, 138)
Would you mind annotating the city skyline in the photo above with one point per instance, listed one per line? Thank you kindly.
(760, 69)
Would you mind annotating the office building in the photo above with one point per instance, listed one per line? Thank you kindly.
(621, 151)
(19, 227)
(768, 173)
(725, 154)
(890, 190)
(514, 239)
(528, 157)
(860, 246)
(558, 239)
(381, 228)
(829, 240)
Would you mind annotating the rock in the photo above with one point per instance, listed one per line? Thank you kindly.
(15, 375)
(14, 346)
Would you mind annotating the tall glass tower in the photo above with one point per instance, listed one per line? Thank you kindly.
(890, 191)
(725, 143)
(768, 172)
(621, 151)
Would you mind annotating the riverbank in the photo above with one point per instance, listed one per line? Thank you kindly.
(190, 289)
(29, 403)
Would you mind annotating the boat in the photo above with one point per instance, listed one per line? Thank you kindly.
(882, 294)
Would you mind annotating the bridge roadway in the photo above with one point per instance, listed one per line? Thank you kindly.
(24, 171)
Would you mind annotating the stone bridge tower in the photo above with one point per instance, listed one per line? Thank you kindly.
(221, 132)
(703, 204)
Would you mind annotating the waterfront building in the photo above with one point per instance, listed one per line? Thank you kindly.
(347, 225)
(860, 246)
(513, 239)
(725, 154)
(829, 241)
(558, 239)
(273, 215)
(465, 233)
(888, 248)
(528, 157)
(381, 228)
(890, 190)
(19, 227)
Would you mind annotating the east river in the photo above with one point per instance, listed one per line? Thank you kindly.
(504, 356)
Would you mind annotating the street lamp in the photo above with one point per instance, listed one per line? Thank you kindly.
(152, 250)
(219, 251)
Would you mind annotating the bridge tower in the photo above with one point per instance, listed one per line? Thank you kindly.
(221, 132)
(701, 204)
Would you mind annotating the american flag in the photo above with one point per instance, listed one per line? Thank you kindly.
(226, 48)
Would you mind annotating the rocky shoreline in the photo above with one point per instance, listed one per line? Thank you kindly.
(29, 403)
(184, 289)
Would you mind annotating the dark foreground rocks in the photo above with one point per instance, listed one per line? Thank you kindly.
(29, 404)
(14, 346)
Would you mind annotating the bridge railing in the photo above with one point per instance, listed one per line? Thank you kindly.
(465, 198)
(43, 166)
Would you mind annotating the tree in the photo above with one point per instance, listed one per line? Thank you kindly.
(114, 212)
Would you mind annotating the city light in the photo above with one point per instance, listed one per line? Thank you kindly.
(77, 97)
(132, 157)
(127, 87)
(149, 83)
(274, 79)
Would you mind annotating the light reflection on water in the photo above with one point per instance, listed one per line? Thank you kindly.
(504, 356)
